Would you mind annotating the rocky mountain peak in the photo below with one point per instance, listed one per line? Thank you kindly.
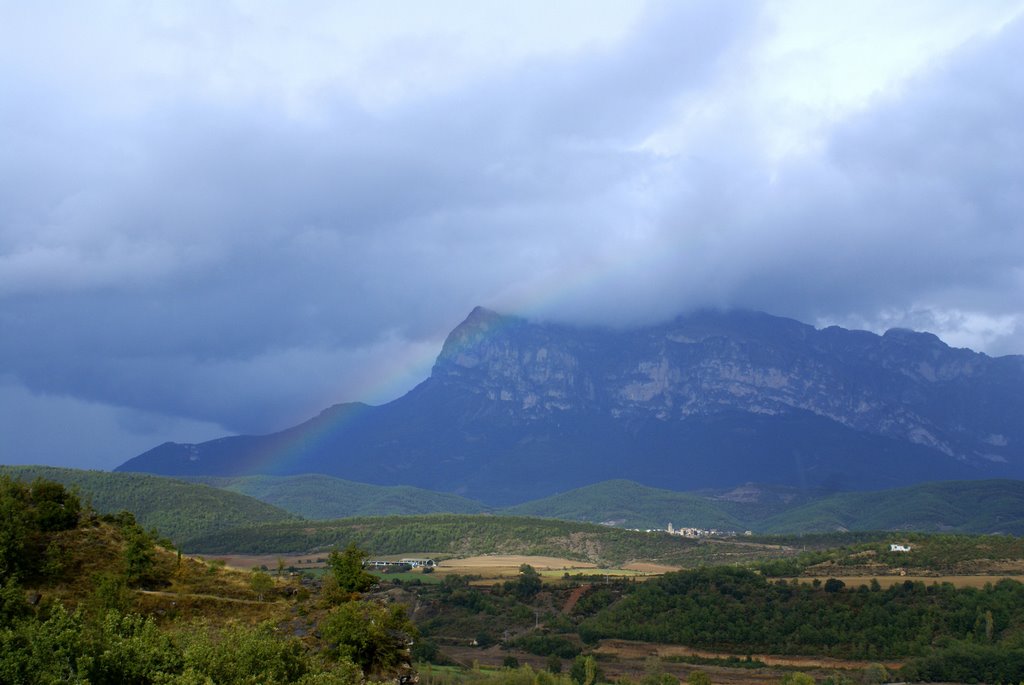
(709, 362)
(515, 408)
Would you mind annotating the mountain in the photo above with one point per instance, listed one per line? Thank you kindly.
(315, 496)
(178, 510)
(516, 410)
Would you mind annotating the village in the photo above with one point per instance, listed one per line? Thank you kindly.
(691, 532)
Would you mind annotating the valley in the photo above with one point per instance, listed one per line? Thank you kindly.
(513, 597)
(727, 496)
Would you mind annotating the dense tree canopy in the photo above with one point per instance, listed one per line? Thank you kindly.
(27, 512)
(738, 610)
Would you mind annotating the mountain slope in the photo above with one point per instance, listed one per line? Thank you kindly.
(315, 496)
(993, 506)
(515, 410)
(630, 505)
(177, 509)
(989, 506)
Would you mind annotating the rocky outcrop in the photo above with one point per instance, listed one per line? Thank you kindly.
(904, 385)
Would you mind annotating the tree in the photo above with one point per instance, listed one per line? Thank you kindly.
(261, 583)
(375, 637)
(698, 678)
(28, 513)
(834, 585)
(527, 585)
(55, 507)
(347, 569)
(139, 556)
(585, 671)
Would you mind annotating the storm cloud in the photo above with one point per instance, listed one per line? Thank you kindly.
(224, 219)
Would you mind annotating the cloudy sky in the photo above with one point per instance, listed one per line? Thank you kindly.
(222, 217)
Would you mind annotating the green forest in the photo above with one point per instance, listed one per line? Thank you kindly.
(179, 510)
(316, 496)
(739, 610)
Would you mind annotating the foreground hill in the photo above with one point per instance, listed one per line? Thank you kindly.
(316, 496)
(178, 510)
(91, 598)
(515, 410)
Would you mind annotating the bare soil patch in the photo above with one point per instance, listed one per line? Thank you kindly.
(249, 561)
(647, 567)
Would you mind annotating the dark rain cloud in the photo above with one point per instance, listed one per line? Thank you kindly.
(222, 260)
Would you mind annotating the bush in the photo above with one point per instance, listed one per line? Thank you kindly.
(544, 645)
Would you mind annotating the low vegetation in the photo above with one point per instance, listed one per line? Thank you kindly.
(94, 598)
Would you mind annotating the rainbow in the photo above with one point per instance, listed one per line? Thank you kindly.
(278, 452)
(535, 299)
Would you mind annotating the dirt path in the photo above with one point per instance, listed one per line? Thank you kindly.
(217, 598)
(574, 597)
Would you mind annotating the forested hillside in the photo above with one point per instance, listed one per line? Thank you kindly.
(178, 510)
(631, 505)
(316, 496)
(458, 535)
(740, 611)
(988, 506)
(991, 506)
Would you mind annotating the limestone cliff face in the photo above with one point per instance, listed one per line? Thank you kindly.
(905, 385)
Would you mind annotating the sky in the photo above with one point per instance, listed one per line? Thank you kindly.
(223, 217)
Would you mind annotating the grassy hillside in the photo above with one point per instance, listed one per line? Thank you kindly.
(631, 505)
(316, 496)
(449, 535)
(990, 506)
(178, 510)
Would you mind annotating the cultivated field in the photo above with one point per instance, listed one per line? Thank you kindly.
(488, 567)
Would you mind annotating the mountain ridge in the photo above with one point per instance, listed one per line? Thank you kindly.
(517, 410)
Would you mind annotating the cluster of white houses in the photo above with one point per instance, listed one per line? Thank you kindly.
(687, 532)
(410, 563)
